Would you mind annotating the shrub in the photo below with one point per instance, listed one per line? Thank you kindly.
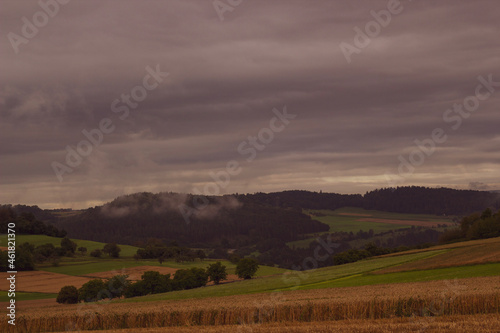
(117, 285)
(68, 295)
(94, 290)
(112, 250)
(96, 253)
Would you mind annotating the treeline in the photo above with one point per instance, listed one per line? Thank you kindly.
(245, 219)
(155, 249)
(26, 223)
(406, 199)
(274, 252)
(475, 226)
(424, 200)
(153, 282)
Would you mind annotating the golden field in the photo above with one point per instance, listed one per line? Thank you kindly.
(419, 302)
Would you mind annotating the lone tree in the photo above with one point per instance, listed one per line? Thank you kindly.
(217, 272)
(68, 295)
(247, 268)
(112, 249)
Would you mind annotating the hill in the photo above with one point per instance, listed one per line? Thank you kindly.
(419, 285)
(247, 219)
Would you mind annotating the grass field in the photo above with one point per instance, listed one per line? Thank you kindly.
(394, 286)
(354, 219)
(126, 250)
(20, 296)
(286, 281)
(351, 219)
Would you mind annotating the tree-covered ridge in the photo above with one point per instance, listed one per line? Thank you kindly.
(136, 217)
(247, 219)
(26, 222)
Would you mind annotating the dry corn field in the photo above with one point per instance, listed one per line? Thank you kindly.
(421, 300)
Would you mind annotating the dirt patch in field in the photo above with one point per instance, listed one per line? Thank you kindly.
(405, 222)
(135, 273)
(354, 214)
(42, 282)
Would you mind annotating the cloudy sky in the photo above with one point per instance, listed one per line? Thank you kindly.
(354, 106)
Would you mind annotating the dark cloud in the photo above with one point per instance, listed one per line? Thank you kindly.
(225, 77)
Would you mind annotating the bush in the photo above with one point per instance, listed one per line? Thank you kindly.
(94, 290)
(82, 250)
(247, 268)
(190, 278)
(68, 246)
(155, 283)
(96, 253)
(117, 285)
(112, 250)
(135, 289)
(68, 295)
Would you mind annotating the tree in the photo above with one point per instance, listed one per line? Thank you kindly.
(82, 250)
(68, 295)
(117, 285)
(190, 278)
(112, 250)
(217, 272)
(68, 246)
(247, 268)
(94, 290)
(96, 253)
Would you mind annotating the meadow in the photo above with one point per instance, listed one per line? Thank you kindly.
(127, 251)
(406, 289)
(352, 219)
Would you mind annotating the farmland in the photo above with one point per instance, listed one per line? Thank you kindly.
(127, 251)
(397, 290)
(459, 297)
(350, 219)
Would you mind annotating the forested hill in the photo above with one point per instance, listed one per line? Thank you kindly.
(410, 199)
(246, 218)
(167, 216)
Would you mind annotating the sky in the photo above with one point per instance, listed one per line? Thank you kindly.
(104, 98)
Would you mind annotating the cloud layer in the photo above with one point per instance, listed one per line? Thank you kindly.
(225, 77)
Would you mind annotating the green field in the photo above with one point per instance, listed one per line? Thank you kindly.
(411, 276)
(337, 221)
(290, 280)
(25, 296)
(127, 250)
